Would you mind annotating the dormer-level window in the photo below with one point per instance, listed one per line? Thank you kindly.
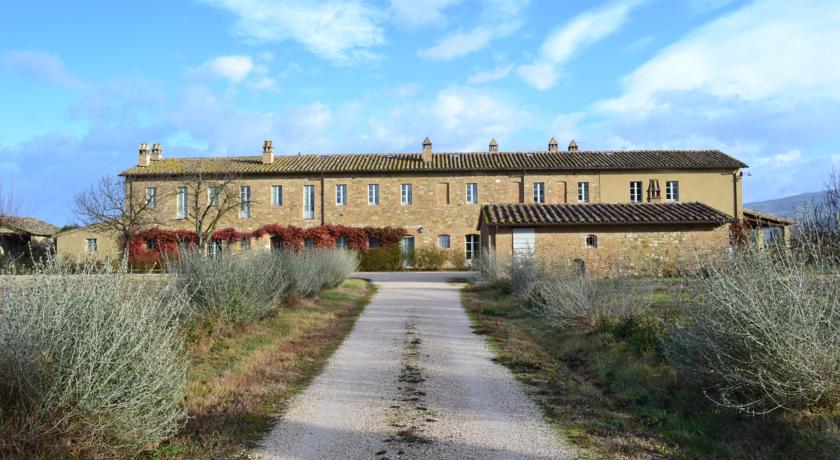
(591, 241)
(182, 203)
(636, 192)
(151, 197)
(672, 190)
(341, 195)
(244, 202)
(472, 193)
(583, 192)
(405, 194)
(373, 194)
(277, 195)
(539, 192)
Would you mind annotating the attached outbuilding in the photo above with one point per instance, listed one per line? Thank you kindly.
(639, 238)
(94, 242)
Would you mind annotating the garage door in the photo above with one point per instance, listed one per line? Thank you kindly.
(523, 242)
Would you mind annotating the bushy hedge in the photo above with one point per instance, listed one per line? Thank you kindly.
(763, 329)
(381, 259)
(248, 287)
(90, 355)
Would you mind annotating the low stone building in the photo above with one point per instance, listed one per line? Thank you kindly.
(637, 239)
(94, 242)
(20, 237)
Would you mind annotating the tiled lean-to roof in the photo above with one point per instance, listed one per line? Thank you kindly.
(28, 225)
(444, 161)
(601, 214)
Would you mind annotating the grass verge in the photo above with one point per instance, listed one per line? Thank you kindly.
(618, 400)
(242, 379)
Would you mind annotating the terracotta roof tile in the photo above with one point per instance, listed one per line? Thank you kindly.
(601, 214)
(446, 161)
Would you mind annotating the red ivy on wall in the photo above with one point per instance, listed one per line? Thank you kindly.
(150, 248)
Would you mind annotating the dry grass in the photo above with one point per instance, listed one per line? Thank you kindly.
(242, 379)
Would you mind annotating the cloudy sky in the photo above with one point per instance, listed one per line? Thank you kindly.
(82, 83)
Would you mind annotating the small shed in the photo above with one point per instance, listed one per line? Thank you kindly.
(19, 235)
(767, 226)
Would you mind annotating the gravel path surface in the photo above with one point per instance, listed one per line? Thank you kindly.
(413, 381)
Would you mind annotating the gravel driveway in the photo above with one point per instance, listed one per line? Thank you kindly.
(413, 381)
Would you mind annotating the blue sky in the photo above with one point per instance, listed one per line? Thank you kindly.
(82, 83)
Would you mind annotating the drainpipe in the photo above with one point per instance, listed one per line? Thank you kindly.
(322, 199)
(735, 178)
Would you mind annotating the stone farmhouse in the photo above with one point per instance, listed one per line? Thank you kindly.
(567, 203)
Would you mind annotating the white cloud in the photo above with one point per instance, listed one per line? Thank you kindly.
(772, 51)
(458, 44)
(231, 68)
(419, 12)
(489, 28)
(337, 30)
(488, 76)
(45, 67)
(563, 43)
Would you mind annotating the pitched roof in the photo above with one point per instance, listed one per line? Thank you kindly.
(28, 225)
(445, 161)
(765, 219)
(600, 214)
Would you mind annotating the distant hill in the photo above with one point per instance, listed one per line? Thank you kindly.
(786, 206)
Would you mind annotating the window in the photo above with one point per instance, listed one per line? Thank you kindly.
(471, 244)
(214, 248)
(341, 195)
(90, 244)
(672, 190)
(150, 245)
(581, 266)
(583, 192)
(245, 202)
(443, 241)
(341, 242)
(308, 201)
(151, 197)
(539, 192)
(373, 242)
(373, 194)
(591, 241)
(182, 202)
(245, 244)
(213, 195)
(277, 195)
(472, 193)
(308, 243)
(405, 194)
(636, 192)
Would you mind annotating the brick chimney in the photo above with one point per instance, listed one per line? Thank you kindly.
(427, 150)
(157, 152)
(144, 158)
(653, 192)
(552, 146)
(268, 153)
(573, 146)
(494, 146)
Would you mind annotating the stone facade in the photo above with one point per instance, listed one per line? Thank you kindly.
(640, 250)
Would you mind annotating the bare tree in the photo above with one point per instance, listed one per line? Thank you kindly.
(111, 205)
(10, 204)
(818, 224)
(210, 197)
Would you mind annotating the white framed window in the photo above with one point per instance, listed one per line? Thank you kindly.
(444, 242)
(341, 242)
(471, 246)
(151, 197)
(472, 193)
(591, 241)
(245, 202)
(245, 244)
(90, 245)
(636, 191)
(277, 195)
(405, 194)
(341, 195)
(373, 194)
(373, 242)
(308, 201)
(539, 192)
(182, 203)
(213, 193)
(214, 248)
(672, 190)
(583, 192)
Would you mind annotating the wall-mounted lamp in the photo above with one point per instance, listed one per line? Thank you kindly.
(420, 229)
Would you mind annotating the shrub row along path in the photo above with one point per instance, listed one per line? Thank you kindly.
(413, 381)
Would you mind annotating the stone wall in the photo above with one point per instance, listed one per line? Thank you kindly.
(634, 251)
